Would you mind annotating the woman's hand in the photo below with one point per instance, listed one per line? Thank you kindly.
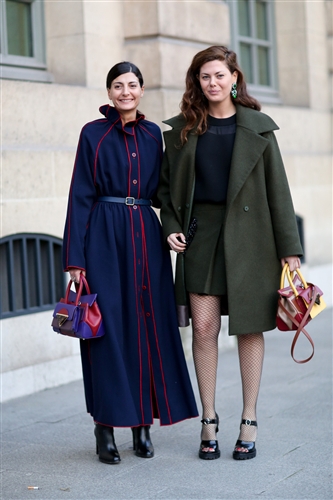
(293, 261)
(177, 242)
(74, 274)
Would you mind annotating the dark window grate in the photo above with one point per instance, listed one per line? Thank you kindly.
(31, 278)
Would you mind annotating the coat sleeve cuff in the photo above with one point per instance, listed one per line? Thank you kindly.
(67, 268)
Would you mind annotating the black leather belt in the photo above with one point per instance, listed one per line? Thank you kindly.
(129, 200)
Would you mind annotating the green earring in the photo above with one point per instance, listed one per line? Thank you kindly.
(234, 90)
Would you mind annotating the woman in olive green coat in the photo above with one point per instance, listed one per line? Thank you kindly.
(223, 176)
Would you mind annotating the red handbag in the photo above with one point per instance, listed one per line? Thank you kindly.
(78, 315)
(298, 304)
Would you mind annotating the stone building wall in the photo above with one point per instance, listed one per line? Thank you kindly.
(41, 123)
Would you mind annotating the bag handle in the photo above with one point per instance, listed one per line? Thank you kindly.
(286, 271)
(85, 283)
(283, 275)
(79, 288)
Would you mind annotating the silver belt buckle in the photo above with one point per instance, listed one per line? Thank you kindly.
(130, 201)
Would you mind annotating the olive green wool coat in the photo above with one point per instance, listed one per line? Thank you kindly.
(260, 224)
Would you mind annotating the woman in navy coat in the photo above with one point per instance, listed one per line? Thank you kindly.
(137, 371)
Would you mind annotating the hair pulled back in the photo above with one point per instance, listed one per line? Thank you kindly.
(120, 69)
(194, 104)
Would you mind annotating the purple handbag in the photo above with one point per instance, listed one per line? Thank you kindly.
(78, 315)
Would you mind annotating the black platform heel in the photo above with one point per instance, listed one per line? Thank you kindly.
(213, 444)
(106, 448)
(250, 446)
(142, 444)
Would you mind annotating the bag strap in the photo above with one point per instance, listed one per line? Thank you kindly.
(300, 328)
(85, 283)
(79, 288)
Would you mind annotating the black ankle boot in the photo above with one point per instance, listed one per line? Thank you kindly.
(142, 444)
(106, 448)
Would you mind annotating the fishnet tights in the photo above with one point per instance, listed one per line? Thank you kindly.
(251, 350)
(206, 324)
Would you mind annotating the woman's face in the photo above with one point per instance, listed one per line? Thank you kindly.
(125, 92)
(216, 80)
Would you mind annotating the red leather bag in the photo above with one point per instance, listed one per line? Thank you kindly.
(78, 315)
(298, 304)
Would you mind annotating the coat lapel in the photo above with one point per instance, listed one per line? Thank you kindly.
(248, 148)
(183, 180)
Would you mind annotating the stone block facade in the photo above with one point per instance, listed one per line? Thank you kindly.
(41, 123)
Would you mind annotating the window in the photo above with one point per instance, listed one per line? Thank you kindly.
(253, 39)
(31, 273)
(22, 43)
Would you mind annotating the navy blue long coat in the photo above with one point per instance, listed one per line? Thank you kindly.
(137, 371)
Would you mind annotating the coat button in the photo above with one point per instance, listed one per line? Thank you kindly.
(179, 209)
(134, 155)
(144, 287)
(187, 205)
(148, 315)
(246, 208)
(134, 181)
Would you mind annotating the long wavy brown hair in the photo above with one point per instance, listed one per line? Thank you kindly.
(194, 105)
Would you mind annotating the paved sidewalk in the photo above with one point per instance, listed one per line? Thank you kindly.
(47, 439)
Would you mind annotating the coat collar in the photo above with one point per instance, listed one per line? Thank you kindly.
(256, 121)
(113, 116)
(176, 121)
(249, 146)
(246, 117)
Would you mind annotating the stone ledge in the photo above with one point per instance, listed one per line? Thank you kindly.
(34, 378)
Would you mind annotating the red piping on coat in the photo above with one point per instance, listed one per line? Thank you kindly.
(151, 373)
(151, 135)
(71, 188)
(138, 156)
(98, 146)
(153, 316)
(130, 167)
(137, 312)
(69, 266)
(91, 211)
(70, 196)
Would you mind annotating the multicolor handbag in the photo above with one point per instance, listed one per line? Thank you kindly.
(298, 304)
(78, 315)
